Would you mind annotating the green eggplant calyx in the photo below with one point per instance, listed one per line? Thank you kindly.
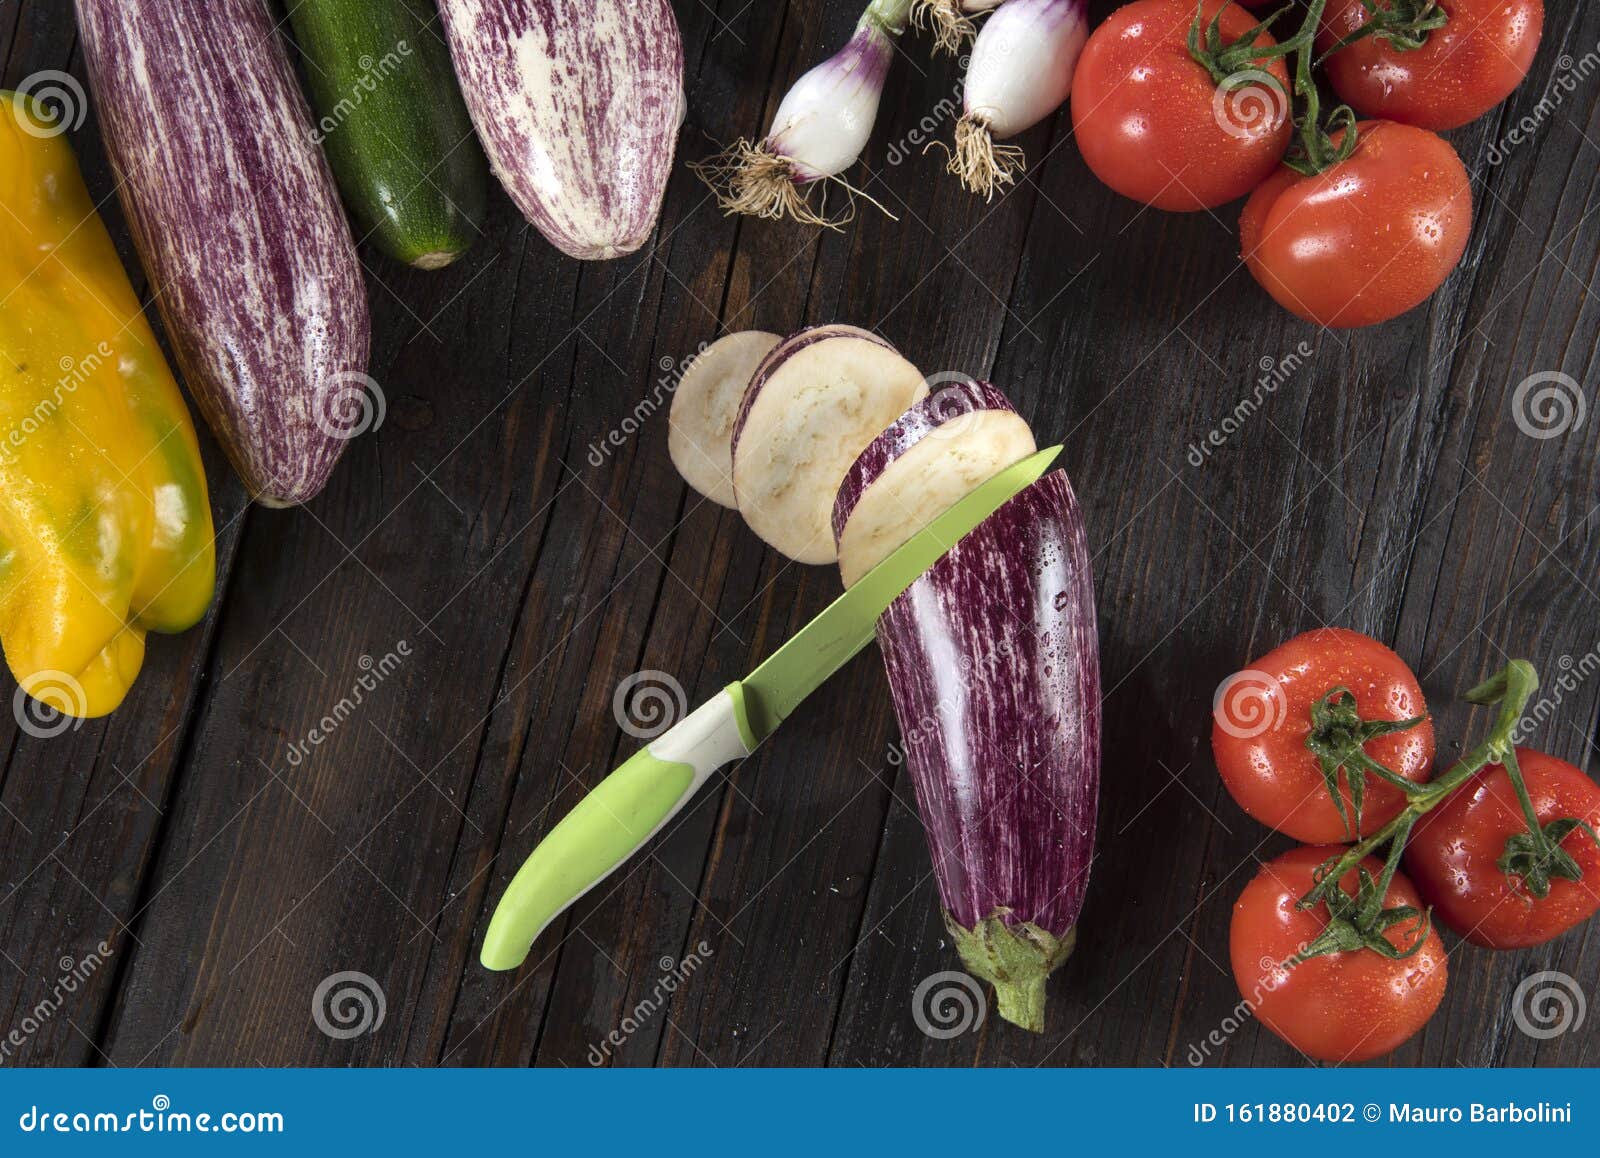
(1017, 959)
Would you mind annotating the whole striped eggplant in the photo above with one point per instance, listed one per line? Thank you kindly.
(234, 212)
(578, 106)
(993, 662)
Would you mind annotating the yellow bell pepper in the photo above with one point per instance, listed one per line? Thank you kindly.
(105, 526)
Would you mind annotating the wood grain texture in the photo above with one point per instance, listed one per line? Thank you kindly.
(529, 564)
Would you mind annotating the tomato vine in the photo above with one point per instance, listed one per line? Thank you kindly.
(1359, 920)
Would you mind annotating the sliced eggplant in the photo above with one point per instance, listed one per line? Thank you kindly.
(705, 406)
(993, 663)
(813, 405)
(956, 438)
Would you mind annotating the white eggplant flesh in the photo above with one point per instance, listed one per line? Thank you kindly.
(1022, 64)
(938, 451)
(706, 405)
(813, 405)
(578, 107)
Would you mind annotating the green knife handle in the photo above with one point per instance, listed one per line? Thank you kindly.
(614, 820)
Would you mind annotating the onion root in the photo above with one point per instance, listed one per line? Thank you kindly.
(754, 179)
(983, 164)
(950, 26)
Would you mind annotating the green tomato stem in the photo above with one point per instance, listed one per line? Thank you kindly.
(1514, 771)
(1405, 24)
(1511, 688)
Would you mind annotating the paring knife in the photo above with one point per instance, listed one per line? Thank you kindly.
(631, 805)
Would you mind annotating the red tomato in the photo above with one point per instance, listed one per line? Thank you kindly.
(1366, 240)
(1262, 716)
(1453, 850)
(1155, 127)
(1344, 1007)
(1464, 70)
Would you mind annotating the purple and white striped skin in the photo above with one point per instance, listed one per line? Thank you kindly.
(235, 214)
(577, 105)
(993, 662)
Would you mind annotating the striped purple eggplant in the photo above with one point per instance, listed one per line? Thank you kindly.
(235, 214)
(993, 662)
(578, 107)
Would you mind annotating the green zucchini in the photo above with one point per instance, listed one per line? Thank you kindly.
(390, 116)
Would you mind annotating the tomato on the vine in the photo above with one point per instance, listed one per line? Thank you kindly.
(1367, 239)
(1263, 720)
(1454, 849)
(1345, 1006)
(1155, 125)
(1458, 72)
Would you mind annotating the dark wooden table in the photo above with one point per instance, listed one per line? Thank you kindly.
(206, 879)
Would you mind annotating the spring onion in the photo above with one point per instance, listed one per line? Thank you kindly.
(820, 128)
(1020, 72)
